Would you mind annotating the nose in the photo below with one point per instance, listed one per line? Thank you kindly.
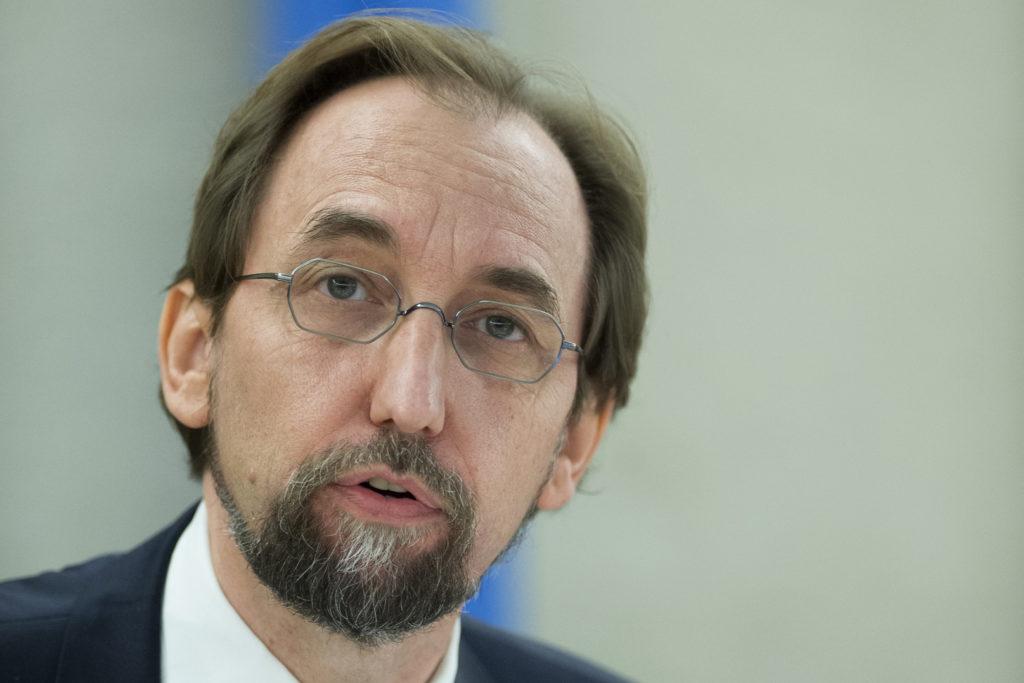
(408, 394)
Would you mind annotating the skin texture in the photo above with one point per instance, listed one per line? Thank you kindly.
(461, 195)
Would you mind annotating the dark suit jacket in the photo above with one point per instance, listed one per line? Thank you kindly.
(100, 621)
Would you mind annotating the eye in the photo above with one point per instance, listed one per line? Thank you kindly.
(343, 287)
(501, 327)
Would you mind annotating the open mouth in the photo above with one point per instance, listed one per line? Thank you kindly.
(386, 488)
(380, 495)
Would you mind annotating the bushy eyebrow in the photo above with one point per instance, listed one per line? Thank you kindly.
(524, 282)
(332, 223)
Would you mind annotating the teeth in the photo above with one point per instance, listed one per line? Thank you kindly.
(382, 484)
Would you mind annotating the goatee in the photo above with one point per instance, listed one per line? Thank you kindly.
(371, 582)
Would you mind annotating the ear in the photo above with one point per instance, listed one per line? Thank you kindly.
(184, 350)
(581, 443)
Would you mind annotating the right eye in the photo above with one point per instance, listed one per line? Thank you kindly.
(343, 287)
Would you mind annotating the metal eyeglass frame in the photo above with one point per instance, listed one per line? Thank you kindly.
(428, 305)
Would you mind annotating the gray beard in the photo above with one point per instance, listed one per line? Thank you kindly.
(370, 582)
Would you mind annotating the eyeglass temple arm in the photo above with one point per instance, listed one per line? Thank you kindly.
(282, 277)
(572, 347)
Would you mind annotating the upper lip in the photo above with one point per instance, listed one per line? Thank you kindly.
(409, 482)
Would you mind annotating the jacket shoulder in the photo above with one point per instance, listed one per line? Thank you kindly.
(49, 596)
(111, 602)
(509, 657)
(34, 615)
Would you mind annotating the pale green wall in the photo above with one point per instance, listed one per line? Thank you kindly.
(108, 113)
(819, 477)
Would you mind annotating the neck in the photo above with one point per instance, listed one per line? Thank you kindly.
(311, 652)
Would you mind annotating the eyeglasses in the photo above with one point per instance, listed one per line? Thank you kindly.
(353, 304)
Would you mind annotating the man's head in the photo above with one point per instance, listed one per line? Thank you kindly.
(461, 69)
(423, 159)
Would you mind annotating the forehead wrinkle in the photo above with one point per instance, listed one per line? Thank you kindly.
(509, 174)
(506, 182)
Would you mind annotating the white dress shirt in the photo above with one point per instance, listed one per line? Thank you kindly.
(204, 639)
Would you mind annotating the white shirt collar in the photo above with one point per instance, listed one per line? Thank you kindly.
(203, 637)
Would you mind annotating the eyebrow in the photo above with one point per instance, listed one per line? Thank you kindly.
(523, 282)
(332, 223)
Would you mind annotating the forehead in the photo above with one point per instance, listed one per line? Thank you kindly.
(456, 192)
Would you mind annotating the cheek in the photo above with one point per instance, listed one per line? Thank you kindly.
(506, 455)
(277, 401)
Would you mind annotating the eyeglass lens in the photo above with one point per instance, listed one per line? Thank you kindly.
(358, 305)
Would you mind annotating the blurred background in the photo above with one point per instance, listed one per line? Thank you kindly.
(819, 475)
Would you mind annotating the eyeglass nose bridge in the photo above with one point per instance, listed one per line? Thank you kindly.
(430, 307)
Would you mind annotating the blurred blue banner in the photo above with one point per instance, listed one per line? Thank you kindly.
(286, 24)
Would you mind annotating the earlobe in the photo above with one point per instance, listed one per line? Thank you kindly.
(184, 350)
(582, 439)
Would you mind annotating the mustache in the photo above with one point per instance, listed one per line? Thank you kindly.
(402, 453)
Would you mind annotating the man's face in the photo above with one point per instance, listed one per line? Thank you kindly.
(462, 208)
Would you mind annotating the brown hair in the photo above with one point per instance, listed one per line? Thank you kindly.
(459, 68)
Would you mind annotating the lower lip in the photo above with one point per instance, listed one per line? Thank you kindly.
(365, 504)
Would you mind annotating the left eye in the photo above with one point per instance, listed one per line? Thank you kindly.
(501, 327)
(344, 287)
